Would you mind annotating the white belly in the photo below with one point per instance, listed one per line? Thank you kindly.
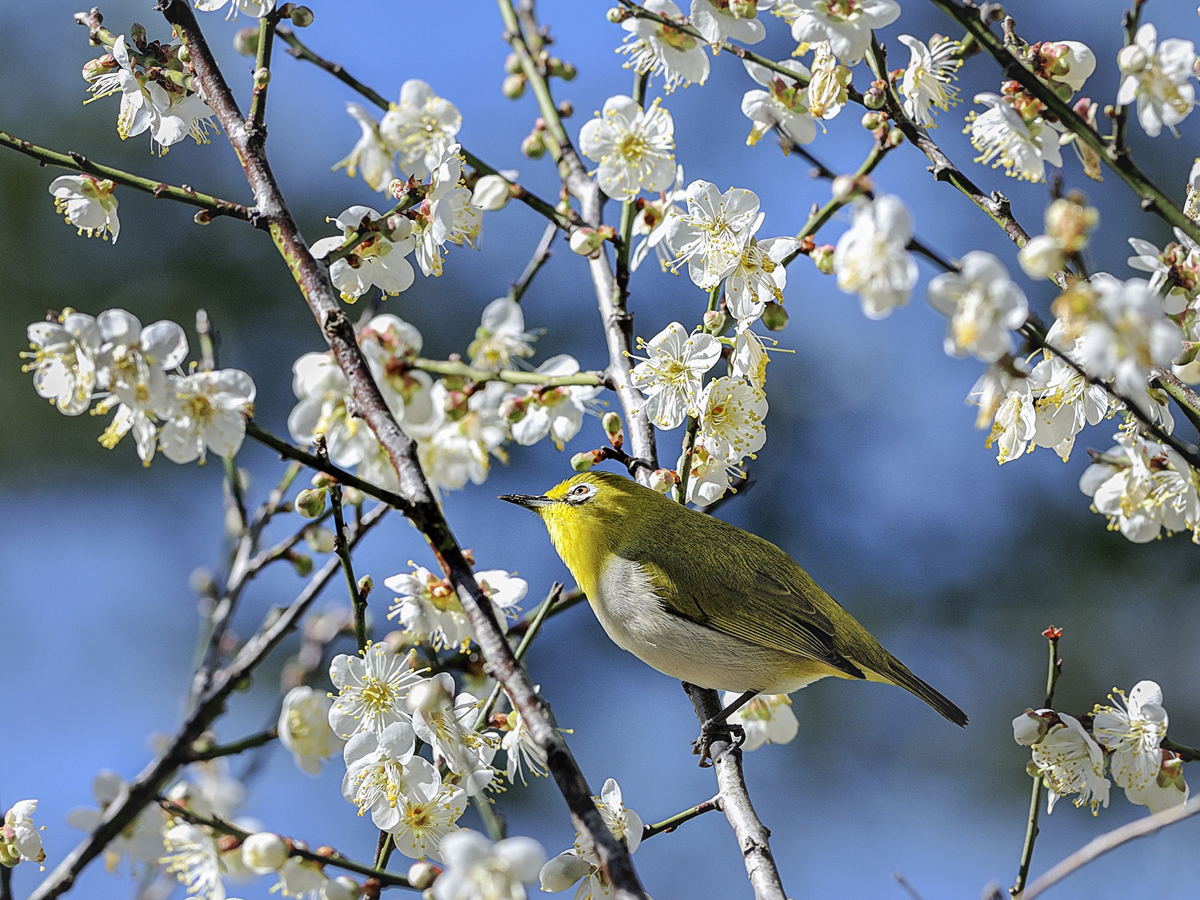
(636, 620)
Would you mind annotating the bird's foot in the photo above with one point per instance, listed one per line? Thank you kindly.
(714, 730)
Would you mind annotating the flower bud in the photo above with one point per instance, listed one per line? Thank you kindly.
(587, 242)
(302, 16)
(352, 496)
(823, 257)
(319, 539)
(872, 120)
(94, 68)
(1041, 257)
(774, 317)
(533, 146)
(563, 871)
(876, 95)
(421, 875)
(895, 137)
(310, 503)
(397, 188)
(137, 34)
(491, 193)
(617, 15)
(715, 321)
(340, 888)
(662, 480)
(1069, 219)
(302, 564)
(1132, 60)
(843, 187)
(513, 86)
(566, 109)
(581, 462)
(512, 64)
(262, 77)
(366, 584)
(1029, 728)
(264, 853)
(322, 480)
(611, 423)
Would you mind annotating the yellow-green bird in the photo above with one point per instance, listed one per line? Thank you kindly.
(704, 601)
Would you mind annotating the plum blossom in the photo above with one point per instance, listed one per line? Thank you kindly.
(581, 862)
(64, 360)
(1176, 268)
(264, 852)
(428, 810)
(323, 392)
(1158, 76)
(521, 751)
(994, 385)
(448, 215)
(477, 869)
(371, 153)
(142, 841)
(193, 858)
(828, 87)
(711, 236)
(767, 719)
(983, 306)
(420, 128)
(304, 728)
(390, 345)
(1005, 139)
(429, 609)
(1071, 762)
(455, 445)
(652, 48)
(633, 147)
(927, 83)
(501, 337)
(554, 412)
(845, 24)
(380, 255)
(671, 377)
(1132, 729)
(871, 258)
(1167, 790)
(137, 112)
(379, 768)
(19, 837)
(88, 204)
(717, 22)
(1143, 487)
(784, 105)
(759, 276)
(731, 419)
(1015, 425)
(449, 729)
(709, 478)
(749, 359)
(256, 8)
(205, 411)
(372, 690)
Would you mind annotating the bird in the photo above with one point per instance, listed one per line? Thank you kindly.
(705, 601)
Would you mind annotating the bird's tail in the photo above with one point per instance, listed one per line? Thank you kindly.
(895, 672)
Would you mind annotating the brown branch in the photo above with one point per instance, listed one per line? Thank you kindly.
(424, 512)
(143, 790)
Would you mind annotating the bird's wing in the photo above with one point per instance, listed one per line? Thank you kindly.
(749, 589)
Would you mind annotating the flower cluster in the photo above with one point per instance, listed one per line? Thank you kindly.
(580, 863)
(111, 359)
(20, 839)
(1074, 755)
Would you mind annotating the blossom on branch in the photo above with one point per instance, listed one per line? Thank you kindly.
(378, 260)
(719, 21)
(142, 841)
(767, 719)
(304, 729)
(1133, 728)
(711, 236)
(477, 869)
(632, 145)
(783, 106)
(371, 153)
(501, 338)
(871, 258)
(447, 215)
(1003, 138)
(256, 8)
(193, 858)
(652, 48)
(555, 412)
(927, 83)
(1071, 763)
(206, 411)
(372, 689)
(983, 305)
(731, 419)
(845, 24)
(420, 128)
(64, 360)
(672, 376)
(19, 837)
(88, 204)
(1158, 76)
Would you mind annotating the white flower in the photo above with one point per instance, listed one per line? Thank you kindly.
(1071, 762)
(983, 305)
(491, 193)
(522, 751)
(784, 105)
(1143, 487)
(846, 24)
(192, 857)
(205, 411)
(455, 449)
(371, 152)
(829, 83)
(19, 837)
(1022, 148)
(625, 824)
(749, 359)
(672, 377)
(133, 360)
(390, 345)
(710, 476)
(88, 204)
(430, 610)
(555, 412)
(477, 869)
(632, 146)
(767, 719)
(1073, 62)
(1131, 335)
(304, 728)
(1176, 267)
(993, 387)
(1064, 401)
(137, 111)
(64, 361)
(300, 877)
(927, 80)
(449, 729)
(1133, 729)
(1030, 726)
(566, 869)
(448, 214)
(1159, 77)
(381, 256)
(870, 258)
(501, 336)
(185, 116)
(1014, 427)
(1042, 256)
(264, 852)
(256, 8)
(1164, 792)
(653, 223)
(323, 393)
(653, 48)
(731, 419)
(420, 127)
(380, 768)
(712, 234)
(428, 810)
(717, 24)
(372, 688)
(142, 841)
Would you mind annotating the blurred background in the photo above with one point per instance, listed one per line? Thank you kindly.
(873, 475)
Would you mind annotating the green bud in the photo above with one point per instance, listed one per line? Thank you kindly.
(581, 462)
(775, 317)
(823, 257)
(872, 120)
(715, 322)
(352, 496)
(319, 539)
(895, 137)
(514, 86)
(876, 96)
(421, 875)
(137, 33)
(617, 15)
(262, 77)
(182, 55)
(512, 64)
(366, 584)
(612, 423)
(662, 480)
(322, 480)
(586, 241)
(302, 564)
(310, 503)
(302, 16)
(533, 146)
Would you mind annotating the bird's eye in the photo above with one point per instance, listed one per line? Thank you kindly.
(580, 493)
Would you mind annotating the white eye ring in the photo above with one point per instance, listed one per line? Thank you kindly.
(581, 493)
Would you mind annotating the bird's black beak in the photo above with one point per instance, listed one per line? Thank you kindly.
(527, 500)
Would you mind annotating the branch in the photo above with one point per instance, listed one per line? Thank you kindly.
(668, 825)
(149, 783)
(358, 602)
(541, 255)
(256, 122)
(422, 508)
(231, 749)
(1188, 399)
(77, 162)
(508, 376)
(535, 625)
(1117, 159)
(1110, 841)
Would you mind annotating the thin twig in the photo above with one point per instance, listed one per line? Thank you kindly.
(541, 254)
(629, 209)
(535, 625)
(235, 747)
(508, 376)
(256, 121)
(669, 825)
(357, 602)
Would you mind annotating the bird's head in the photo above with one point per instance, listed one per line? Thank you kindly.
(584, 514)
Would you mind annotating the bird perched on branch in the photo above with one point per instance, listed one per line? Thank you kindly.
(704, 601)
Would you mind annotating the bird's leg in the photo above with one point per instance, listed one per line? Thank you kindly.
(708, 729)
